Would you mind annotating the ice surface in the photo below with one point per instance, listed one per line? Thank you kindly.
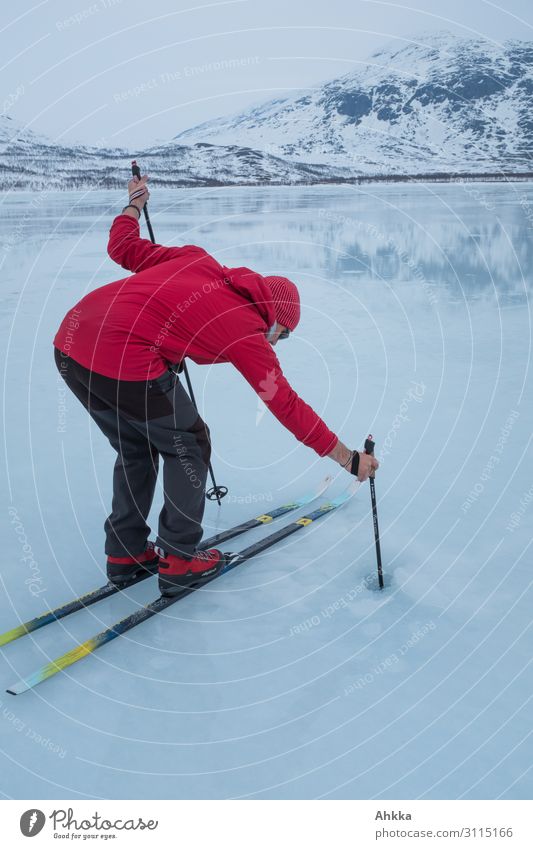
(292, 677)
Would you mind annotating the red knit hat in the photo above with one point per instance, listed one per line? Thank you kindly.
(286, 300)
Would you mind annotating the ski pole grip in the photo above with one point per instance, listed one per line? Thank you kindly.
(135, 170)
(369, 444)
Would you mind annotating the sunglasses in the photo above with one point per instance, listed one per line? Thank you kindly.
(284, 334)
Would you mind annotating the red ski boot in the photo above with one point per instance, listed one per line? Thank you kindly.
(179, 573)
(122, 570)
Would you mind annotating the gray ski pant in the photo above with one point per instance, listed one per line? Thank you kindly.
(144, 420)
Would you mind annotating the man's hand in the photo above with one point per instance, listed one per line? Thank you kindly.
(138, 192)
(368, 466)
(356, 462)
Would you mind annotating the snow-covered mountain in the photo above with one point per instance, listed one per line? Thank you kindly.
(31, 161)
(28, 161)
(437, 103)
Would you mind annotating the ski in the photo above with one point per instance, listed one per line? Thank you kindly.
(162, 603)
(109, 589)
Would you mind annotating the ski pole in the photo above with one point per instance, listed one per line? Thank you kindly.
(369, 449)
(216, 493)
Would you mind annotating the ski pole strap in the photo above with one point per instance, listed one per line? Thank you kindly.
(354, 467)
(137, 194)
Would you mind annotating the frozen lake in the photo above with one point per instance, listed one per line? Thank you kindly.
(290, 678)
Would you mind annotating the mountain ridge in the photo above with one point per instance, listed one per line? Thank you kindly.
(437, 104)
(446, 104)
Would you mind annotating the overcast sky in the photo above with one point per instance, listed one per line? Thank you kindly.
(128, 72)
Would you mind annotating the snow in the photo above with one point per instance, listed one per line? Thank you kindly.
(436, 103)
(292, 677)
(410, 127)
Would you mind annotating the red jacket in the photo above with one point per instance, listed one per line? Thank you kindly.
(180, 302)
